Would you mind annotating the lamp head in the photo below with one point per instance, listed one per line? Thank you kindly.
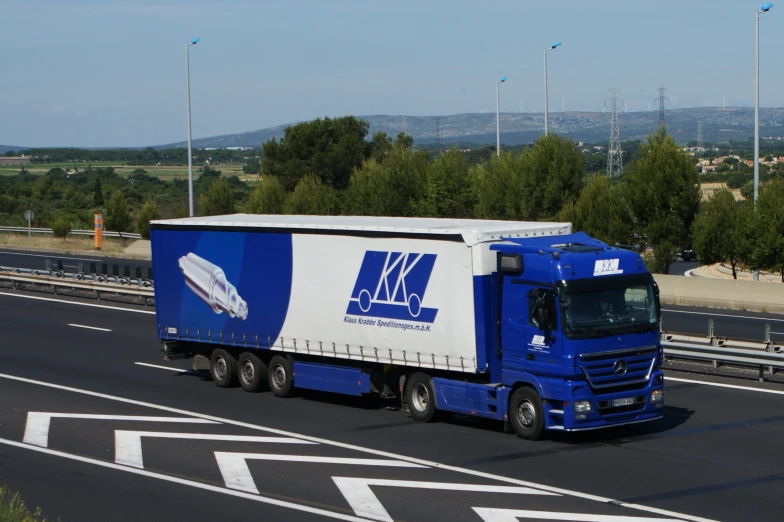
(195, 41)
(555, 44)
(502, 79)
(766, 7)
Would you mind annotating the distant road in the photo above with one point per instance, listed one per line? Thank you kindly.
(681, 267)
(35, 260)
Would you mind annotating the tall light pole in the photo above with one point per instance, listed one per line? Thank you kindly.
(764, 9)
(188, 107)
(553, 46)
(498, 115)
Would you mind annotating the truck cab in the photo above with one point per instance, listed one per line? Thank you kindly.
(579, 325)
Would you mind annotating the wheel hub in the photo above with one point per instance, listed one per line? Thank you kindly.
(420, 397)
(279, 377)
(526, 414)
(248, 372)
(220, 368)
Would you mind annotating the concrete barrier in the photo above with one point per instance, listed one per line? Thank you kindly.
(721, 293)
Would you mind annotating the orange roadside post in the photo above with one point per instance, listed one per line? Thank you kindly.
(98, 231)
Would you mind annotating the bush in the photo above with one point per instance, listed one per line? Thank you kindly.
(61, 227)
(13, 509)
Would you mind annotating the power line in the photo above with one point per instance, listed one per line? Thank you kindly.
(614, 152)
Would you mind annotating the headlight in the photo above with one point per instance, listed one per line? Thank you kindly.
(582, 406)
(657, 396)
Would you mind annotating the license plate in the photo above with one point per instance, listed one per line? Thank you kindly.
(623, 402)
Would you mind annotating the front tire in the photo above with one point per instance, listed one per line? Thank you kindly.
(421, 397)
(281, 376)
(223, 368)
(526, 413)
(252, 372)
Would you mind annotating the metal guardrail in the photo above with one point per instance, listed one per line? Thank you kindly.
(719, 350)
(98, 285)
(106, 233)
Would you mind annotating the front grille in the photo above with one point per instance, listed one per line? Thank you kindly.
(606, 407)
(600, 369)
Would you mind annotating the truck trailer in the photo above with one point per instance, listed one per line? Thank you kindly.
(523, 322)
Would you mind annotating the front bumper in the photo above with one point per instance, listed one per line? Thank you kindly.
(561, 415)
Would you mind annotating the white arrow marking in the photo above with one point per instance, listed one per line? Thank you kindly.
(512, 515)
(38, 422)
(128, 444)
(365, 503)
(236, 474)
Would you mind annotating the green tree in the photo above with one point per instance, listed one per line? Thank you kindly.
(446, 188)
(404, 141)
(720, 231)
(663, 192)
(552, 176)
(392, 187)
(252, 166)
(330, 149)
(380, 145)
(218, 200)
(311, 197)
(601, 211)
(61, 227)
(497, 187)
(147, 213)
(267, 198)
(97, 194)
(769, 224)
(118, 216)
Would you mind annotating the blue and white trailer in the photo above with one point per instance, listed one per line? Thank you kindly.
(527, 323)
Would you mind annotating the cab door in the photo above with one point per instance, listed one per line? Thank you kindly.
(530, 339)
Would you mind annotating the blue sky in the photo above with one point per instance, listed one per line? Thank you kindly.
(111, 73)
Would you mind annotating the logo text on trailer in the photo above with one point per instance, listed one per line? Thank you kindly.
(392, 285)
(607, 267)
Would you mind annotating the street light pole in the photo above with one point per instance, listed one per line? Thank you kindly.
(498, 115)
(764, 9)
(188, 107)
(553, 46)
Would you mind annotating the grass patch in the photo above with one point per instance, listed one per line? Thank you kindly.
(49, 243)
(13, 508)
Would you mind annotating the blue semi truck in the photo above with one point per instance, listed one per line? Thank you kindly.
(527, 323)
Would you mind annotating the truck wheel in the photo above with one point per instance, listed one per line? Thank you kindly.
(223, 368)
(280, 376)
(526, 413)
(421, 397)
(252, 372)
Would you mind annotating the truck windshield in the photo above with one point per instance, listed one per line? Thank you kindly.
(594, 309)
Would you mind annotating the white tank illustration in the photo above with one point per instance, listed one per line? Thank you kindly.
(209, 283)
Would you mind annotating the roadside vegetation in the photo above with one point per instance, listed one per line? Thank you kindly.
(13, 508)
(333, 166)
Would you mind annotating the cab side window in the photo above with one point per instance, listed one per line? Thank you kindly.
(548, 319)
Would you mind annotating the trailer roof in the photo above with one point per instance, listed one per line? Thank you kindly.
(472, 231)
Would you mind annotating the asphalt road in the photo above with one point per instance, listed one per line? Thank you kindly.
(715, 455)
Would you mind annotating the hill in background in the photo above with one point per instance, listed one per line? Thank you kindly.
(718, 125)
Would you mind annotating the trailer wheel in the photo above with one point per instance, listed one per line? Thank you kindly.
(526, 413)
(421, 397)
(252, 372)
(280, 376)
(223, 368)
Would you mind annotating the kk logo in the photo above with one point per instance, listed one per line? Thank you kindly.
(392, 285)
(607, 267)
